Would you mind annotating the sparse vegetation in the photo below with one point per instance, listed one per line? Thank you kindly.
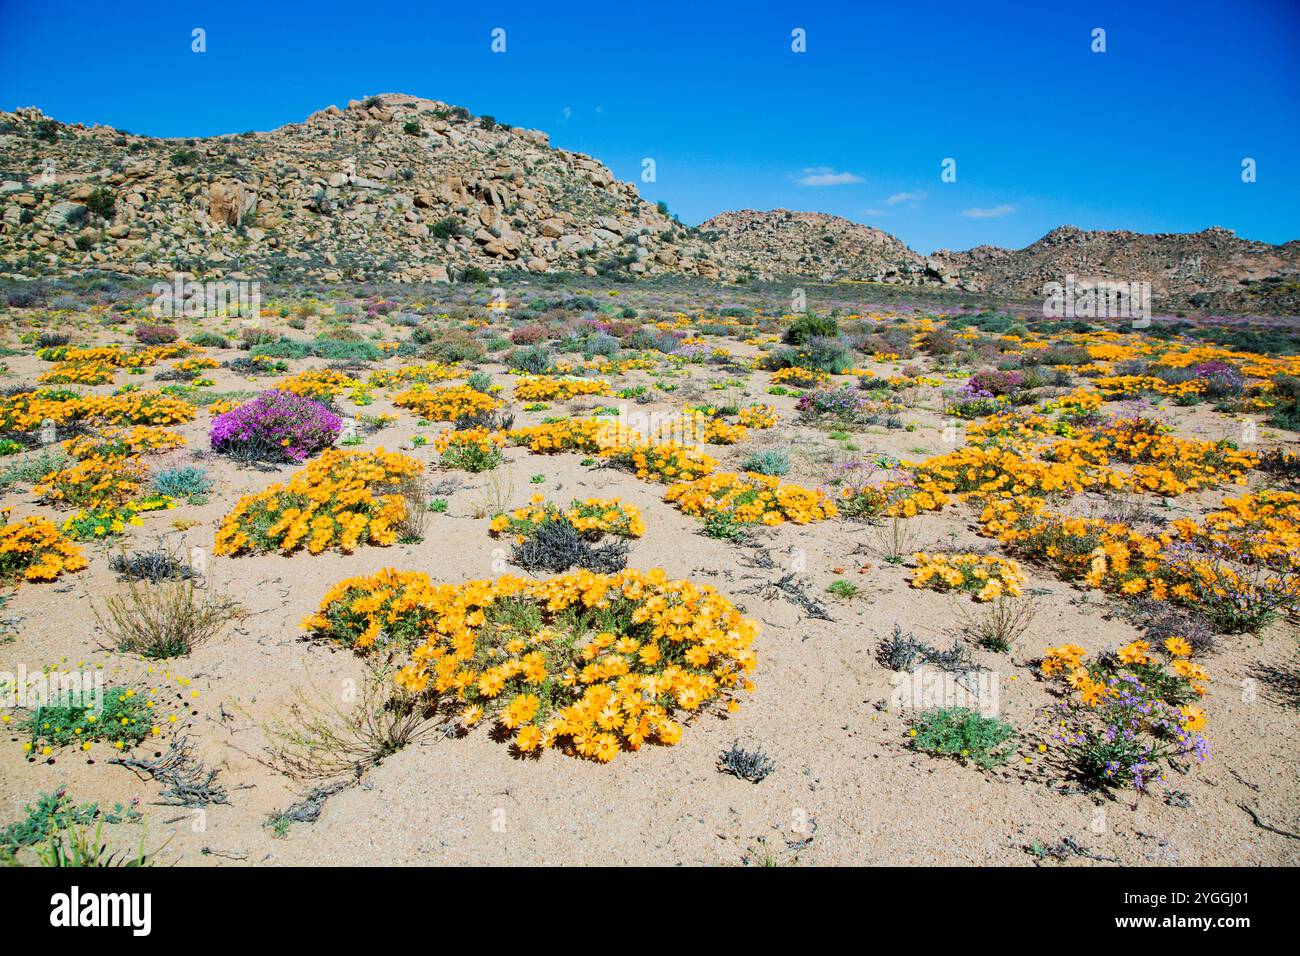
(164, 620)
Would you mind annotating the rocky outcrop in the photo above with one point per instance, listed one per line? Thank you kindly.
(1212, 270)
(406, 189)
(783, 243)
(393, 187)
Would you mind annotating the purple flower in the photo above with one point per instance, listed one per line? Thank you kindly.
(275, 426)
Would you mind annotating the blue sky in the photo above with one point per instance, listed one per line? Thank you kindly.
(1148, 136)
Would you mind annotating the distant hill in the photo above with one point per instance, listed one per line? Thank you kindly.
(1208, 270)
(814, 245)
(400, 188)
(392, 187)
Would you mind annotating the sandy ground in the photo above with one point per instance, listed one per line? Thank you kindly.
(846, 790)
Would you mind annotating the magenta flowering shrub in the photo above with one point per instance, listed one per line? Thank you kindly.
(995, 382)
(1221, 379)
(275, 426)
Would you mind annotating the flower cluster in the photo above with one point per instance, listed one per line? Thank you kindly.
(433, 372)
(1262, 528)
(569, 434)
(718, 432)
(845, 404)
(1161, 463)
(192, 365)
(275, 426)
(1128, 714)
(860, 492)
(758, 416)
(138, 440)
(985, 576)
(984, 472)
(797, 377)
(35, 550)
(340, 499)
(121, 713)
(321, 384)
(1130, 386)
(446, 404)
(584, 663)
(26, 411)
(470, 449)
(88, 524)
(971, 401)
(750, 498)
(96, 481)
(1111, 555)
(591, 517)
(546, 388)
(96, 366)
(665, 461)
(78, 373)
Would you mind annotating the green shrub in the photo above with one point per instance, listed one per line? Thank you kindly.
(101, 202)
(810, 325)
(447, 227)
(341, 350)
(125, 716)
(827, 355)
(283, 349)
(964, 735)
(210, 340)
(186, 481)
(769, 461)
(532, 359)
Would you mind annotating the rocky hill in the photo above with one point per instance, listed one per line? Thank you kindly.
(399, 188)
(1212, 269)
(393, 187)
(815, 245)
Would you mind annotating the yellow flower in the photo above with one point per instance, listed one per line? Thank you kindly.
(528, 738)
(1193, 717)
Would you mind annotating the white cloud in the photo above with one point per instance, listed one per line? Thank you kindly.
(826, 176)
(897, 198)
(994, 212)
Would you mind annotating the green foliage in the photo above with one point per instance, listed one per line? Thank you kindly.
(768, 461)
(723, 525)
(56, 811)
(810, 325)
(447, 227)
(101, 202)
(210, 340)
(30, 470)
(125, 716)
(186, 481)
(964, 735)
(843, 589)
